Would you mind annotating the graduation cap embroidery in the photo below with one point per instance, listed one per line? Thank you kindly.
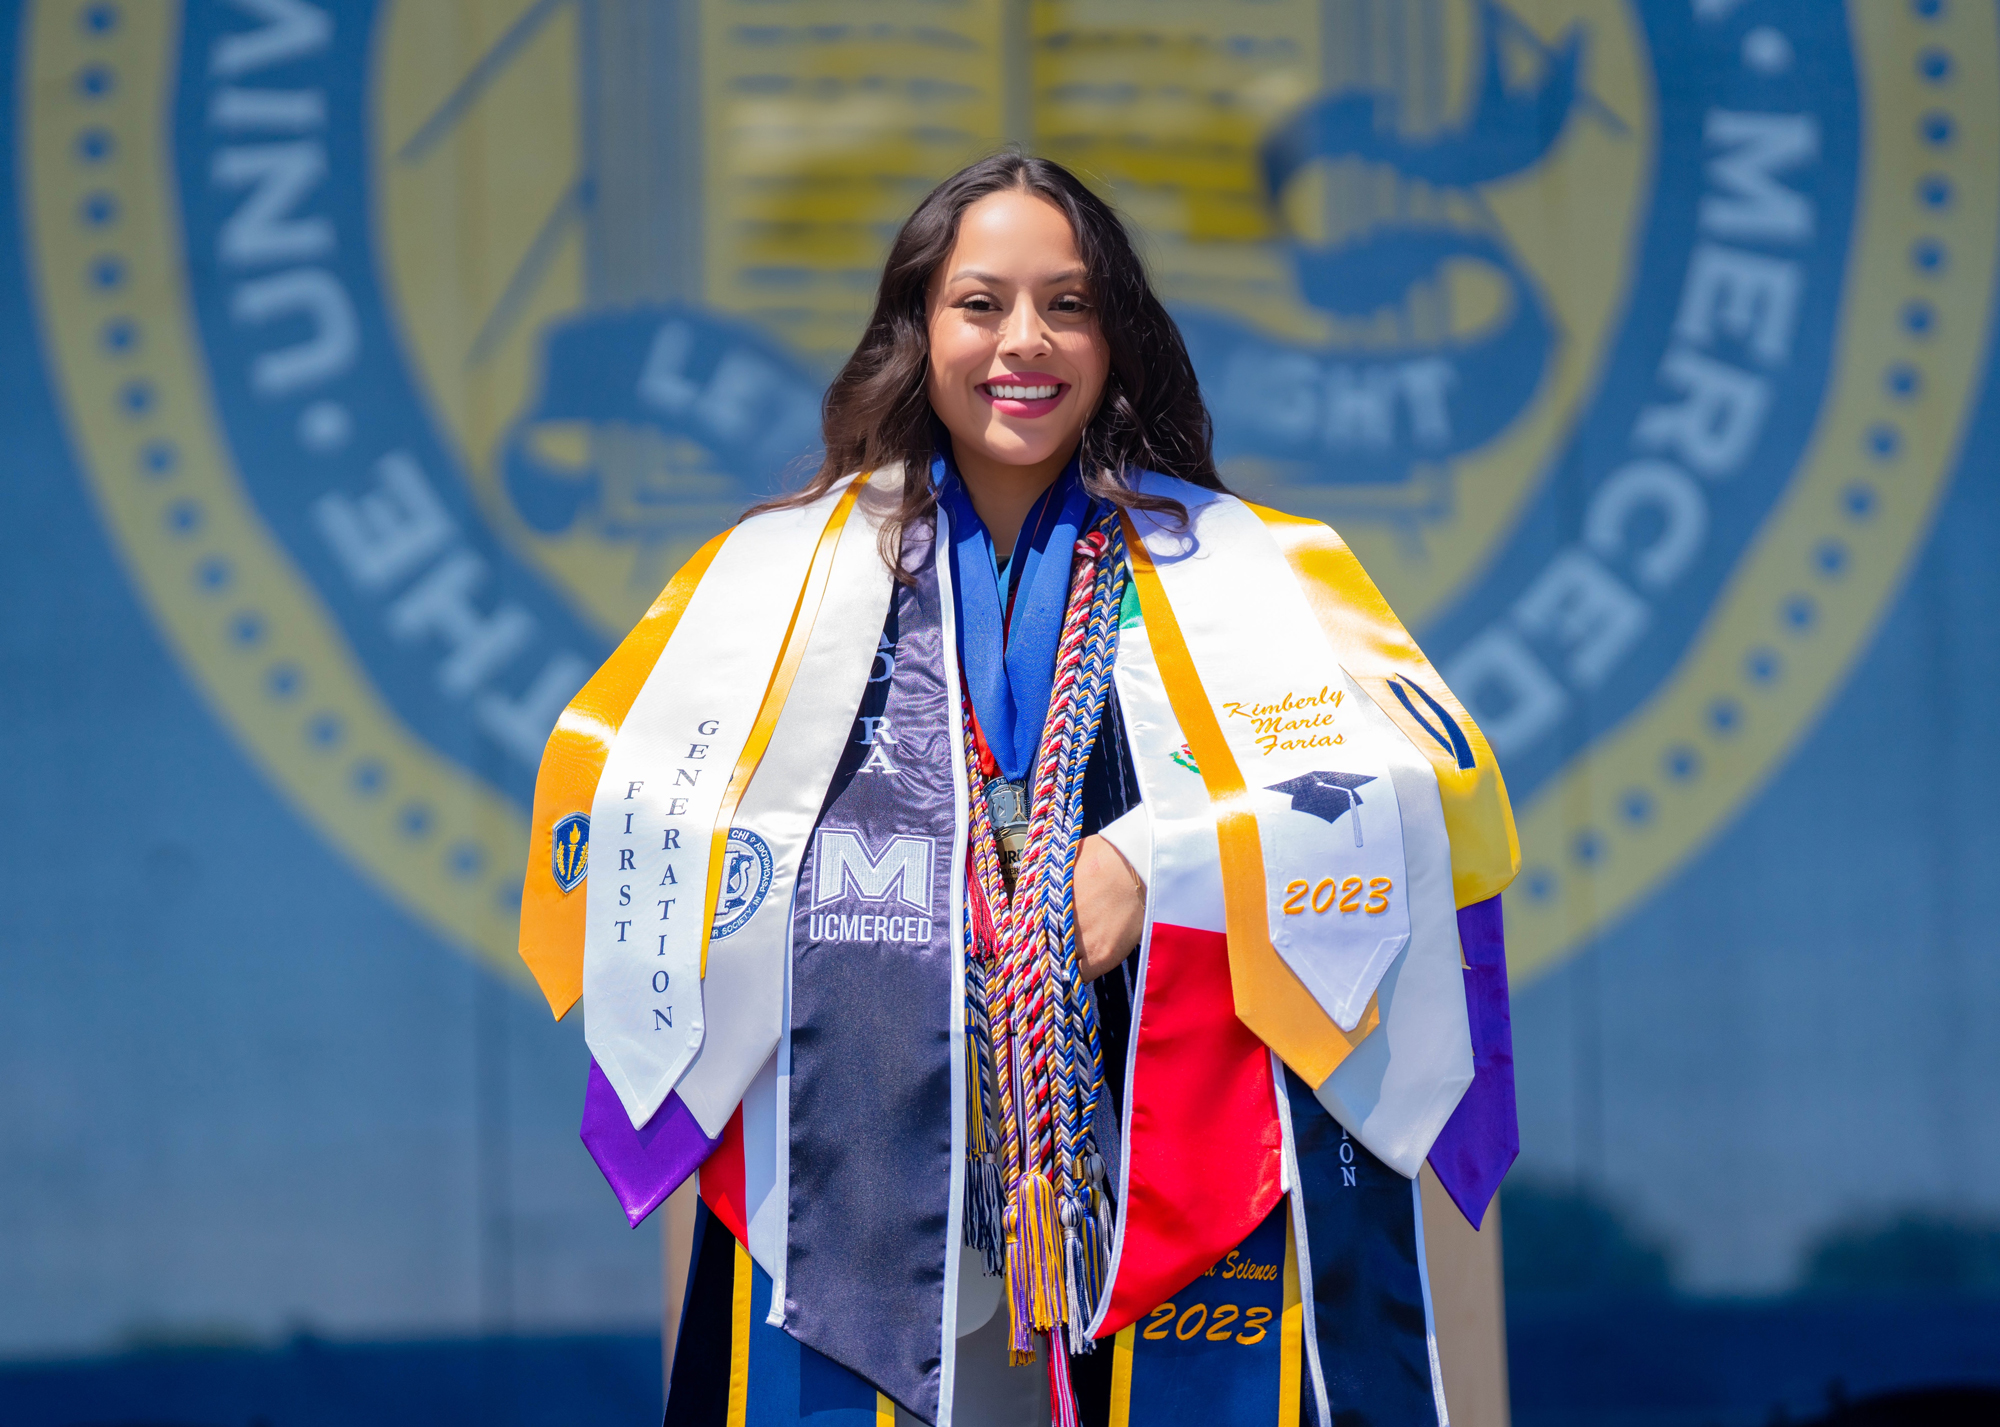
(1327, 795)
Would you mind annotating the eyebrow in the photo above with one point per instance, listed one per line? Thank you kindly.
(974, 275)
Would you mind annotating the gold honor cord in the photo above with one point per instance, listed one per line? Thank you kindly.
(797, 636)
(1270, 998)
(552, 920)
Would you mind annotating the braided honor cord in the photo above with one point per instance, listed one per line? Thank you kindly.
(1037, 1202)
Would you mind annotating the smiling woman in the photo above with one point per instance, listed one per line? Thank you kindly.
(1013, 272)
(995, 710)
(1018, 359)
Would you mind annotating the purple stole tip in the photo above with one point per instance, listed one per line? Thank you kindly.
(642, 1166)
(1482, 1137)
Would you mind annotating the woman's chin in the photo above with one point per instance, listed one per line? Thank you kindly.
(1009, 448)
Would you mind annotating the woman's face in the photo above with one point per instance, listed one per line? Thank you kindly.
(1017, 360)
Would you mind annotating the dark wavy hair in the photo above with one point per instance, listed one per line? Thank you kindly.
(1151, 416)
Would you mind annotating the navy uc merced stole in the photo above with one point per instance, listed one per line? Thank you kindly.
(733, 1369)
(872, 1019)
(787, 1384)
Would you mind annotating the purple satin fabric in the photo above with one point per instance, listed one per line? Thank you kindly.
(1482, 1137)
(642, 1166)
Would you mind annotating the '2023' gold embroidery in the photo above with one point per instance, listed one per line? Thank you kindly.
(1349, 894)
(1228, 1323)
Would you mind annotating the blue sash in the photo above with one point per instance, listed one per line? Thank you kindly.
(1214, 1355)
(1010, 654)
(871, 1178)
(1369, 1309)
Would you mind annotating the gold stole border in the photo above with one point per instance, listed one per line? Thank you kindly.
(1372, 646)
(1270, 998)
(797, 635)
(739, 1334)
(552, 921)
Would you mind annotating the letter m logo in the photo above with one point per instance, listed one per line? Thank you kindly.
(841, 865)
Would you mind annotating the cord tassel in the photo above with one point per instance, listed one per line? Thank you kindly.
(1020, 1341)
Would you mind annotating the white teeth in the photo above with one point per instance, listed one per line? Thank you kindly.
(1021, 393)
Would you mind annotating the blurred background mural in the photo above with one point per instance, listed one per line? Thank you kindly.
(366, 367)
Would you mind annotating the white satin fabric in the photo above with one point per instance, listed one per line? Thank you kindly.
(1225, 577)
(656, 803)
(1336, 887)
(743, 995)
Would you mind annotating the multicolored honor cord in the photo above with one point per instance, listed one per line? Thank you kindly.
(1038, 1205)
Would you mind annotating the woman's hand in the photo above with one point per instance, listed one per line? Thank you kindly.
(1110, 907)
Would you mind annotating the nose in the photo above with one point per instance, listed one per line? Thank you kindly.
(1024, 335)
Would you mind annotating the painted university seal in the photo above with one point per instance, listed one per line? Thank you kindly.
(1630, 351)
